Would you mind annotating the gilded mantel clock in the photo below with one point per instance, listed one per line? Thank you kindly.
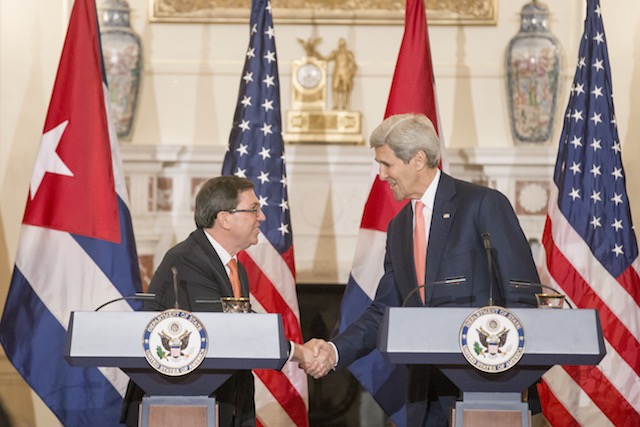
(309, 121)
(309, 84)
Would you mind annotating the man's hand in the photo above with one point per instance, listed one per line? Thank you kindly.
(324, 358)
(316, 357)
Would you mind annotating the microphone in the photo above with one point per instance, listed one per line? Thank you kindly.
(174, 271)
(210, 301)
(525, 284)
(214, 302)
(487, 247)
(139, 296)
(449, 281)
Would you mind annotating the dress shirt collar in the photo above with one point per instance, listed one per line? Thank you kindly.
(429, 196)
(222, 252)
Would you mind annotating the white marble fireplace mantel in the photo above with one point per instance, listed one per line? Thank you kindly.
(328, 186)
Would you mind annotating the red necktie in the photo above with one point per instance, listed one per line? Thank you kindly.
(235, 280)
(420, 246)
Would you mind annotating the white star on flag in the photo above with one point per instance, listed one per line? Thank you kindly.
(47, 159)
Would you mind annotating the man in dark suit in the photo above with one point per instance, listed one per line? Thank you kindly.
(456, 216)
(227, 217)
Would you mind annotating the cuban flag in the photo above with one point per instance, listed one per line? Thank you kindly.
(76, 248)
(412, 91)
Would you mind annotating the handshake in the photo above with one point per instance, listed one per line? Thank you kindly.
(316, 357)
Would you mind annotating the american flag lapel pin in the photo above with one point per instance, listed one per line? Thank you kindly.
(446, 215)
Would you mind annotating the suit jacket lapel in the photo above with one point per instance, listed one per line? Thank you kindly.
(441, 220)
(244, 281)
(219, 271)
(401, 249)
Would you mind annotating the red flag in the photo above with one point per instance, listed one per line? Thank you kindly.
(412, 91)
(256, 151)
(590, 248)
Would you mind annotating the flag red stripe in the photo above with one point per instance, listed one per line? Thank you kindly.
(285, 393)
(604, 395)
(269, 297)
(629, 280)
(614, 331)
(288, 258)
(553, 409)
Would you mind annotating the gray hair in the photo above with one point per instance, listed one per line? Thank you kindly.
(406, 135)
(218, 195)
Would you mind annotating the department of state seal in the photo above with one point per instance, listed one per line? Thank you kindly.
(492, 339)
(175, 342)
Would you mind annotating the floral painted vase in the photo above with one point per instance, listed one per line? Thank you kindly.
(533, 61)
(122, 53)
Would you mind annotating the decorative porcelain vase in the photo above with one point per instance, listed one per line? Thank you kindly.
(532, 63)
(122, 53)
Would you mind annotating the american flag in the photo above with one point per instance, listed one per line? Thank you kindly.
(76, 248)
(412, 91)
(590, 249)
(256, 151)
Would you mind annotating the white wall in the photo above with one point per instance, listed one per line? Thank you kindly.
(192, 73)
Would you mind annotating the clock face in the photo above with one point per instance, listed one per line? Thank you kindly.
(309, 75)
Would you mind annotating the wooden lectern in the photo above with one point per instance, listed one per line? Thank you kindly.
(552, 337)
(236, 342)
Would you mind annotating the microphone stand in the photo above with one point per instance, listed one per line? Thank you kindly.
(449, 281)
(487, 248)
(139, 296)
(174, 271)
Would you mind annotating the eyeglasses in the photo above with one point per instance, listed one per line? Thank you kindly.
(255, 211)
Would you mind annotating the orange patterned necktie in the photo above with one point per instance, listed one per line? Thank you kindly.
(420, 246)
(235, 279)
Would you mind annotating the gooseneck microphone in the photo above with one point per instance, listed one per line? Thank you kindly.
(174, 271)
(139, 296)
(449, 281)
(487, 247)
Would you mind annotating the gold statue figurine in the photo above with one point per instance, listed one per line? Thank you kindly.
(343, 73)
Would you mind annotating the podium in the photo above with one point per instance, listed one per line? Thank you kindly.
(552, 337)
(235, 342)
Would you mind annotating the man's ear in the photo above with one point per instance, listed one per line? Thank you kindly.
(223, 220)
(420, 159)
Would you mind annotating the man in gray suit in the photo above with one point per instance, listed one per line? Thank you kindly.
(456, 216)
